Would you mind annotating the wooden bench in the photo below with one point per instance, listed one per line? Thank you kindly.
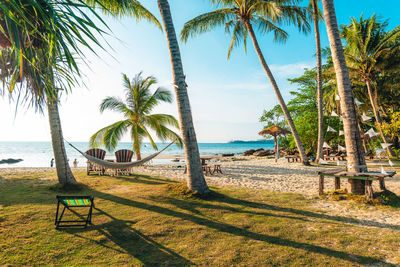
(293, 159)
(334, 158)
(368, 177)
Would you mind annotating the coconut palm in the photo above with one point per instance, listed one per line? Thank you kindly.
(239, 17)
(195, 176)
(355, 158)
(316, 18)
(40, 42)
(136, 109)
(368, 48)
(133, 8)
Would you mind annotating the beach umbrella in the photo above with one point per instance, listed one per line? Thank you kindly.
(334, 114)
(337, 97)
(325, 145)
(340, 148)
(330, 129)
(386, 145)
(341, 133)
(365, 117)
(275, 131)
(371, 132)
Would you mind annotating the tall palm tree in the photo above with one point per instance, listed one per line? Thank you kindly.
(195, 176)
(316, 18)
(368, 47)
(355, 157)
(239, 17)
(39, 41)
(133, 8)
(138, 119)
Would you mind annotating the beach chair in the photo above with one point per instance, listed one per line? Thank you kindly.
(70, 203)
(92, 167)
(124, 155)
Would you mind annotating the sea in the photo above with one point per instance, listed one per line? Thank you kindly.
(39, 154)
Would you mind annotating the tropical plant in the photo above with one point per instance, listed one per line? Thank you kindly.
(355, 157)
(316, 18)
(239, 17)
(368, 48)
(195, 176)
(41, 41)
(136, 109)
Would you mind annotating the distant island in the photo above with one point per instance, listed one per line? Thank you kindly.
(261, 141)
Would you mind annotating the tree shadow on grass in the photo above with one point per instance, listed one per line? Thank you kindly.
(131, 241)
(215, 196)
(143, 179)
(234, 230)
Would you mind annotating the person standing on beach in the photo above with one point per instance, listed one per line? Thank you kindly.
(75, 163)
(52, 162)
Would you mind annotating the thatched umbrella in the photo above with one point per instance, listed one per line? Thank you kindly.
(275, 131)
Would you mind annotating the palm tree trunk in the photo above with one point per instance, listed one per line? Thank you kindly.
(64, 173)
(195, 178)
(319, 83)
(278, 94)
(355, 157)
(378, 118)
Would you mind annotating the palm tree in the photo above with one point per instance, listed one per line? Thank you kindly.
(133, 8)
(355, 158)
(316, 17)
(39, 42)
(138, 119)
(195, 176)
(239, 17)
(368, 47)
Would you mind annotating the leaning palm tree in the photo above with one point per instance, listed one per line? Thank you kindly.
(239, 17)
(138, 119)
(368, 47)
(39, 46)
(133, 8)
(316, 18)
(355, 158)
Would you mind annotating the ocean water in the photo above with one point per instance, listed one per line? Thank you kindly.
(39, 154)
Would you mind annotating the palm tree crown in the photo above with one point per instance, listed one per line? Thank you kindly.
(266, 15)
(136, 109)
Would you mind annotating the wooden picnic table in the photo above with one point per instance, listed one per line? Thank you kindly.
(368, 177)
(204, 159)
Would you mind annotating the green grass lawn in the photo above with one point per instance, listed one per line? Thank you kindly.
(142, 220)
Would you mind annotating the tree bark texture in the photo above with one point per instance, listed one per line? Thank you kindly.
(355, 157)
(270, 76)
(319, 83)
(64, 173)
(195, 176)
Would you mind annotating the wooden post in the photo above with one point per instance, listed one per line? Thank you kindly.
(337, 182)
(369, 194)
(321, 185)
(382, 183)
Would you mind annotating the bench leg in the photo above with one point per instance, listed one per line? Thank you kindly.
(321, 185)
(369, 194)
(337, 183)
(382, 184)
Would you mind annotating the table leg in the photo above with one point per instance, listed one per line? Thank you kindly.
(337, 183)
(369, 194)
(382, 184)
(321, 185)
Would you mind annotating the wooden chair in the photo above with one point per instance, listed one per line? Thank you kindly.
(124, 155)
(92, 167)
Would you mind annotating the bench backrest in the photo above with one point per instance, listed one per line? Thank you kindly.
(97, 153)
(124, 155)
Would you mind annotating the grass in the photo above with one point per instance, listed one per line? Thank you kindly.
(145, 221)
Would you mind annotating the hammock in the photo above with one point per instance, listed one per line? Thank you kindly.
(119, 165)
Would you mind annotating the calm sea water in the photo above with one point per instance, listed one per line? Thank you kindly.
(39, 154)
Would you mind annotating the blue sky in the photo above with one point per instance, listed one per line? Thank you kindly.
(227, 96)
